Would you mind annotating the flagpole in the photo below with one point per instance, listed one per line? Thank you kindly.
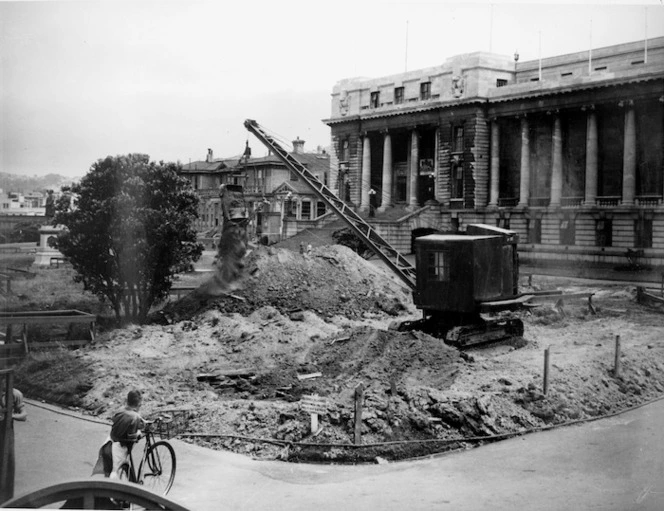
(491, 30)
(645, 35)
(590, 49)
(540, 55)
(406, 56)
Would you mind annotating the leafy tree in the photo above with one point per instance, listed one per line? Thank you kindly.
(128, 228)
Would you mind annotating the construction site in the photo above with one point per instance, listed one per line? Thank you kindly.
(306, 351)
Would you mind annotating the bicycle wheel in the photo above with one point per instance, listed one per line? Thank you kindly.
(158, 468)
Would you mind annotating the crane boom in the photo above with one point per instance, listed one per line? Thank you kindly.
(388, 254)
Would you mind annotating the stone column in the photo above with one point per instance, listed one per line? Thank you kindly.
(495, 163)
(629, 156)
(365, 180)
(436, 165)
(386, 195)
(591, 159)
(556, 163)
(524, 188)
(414, 167)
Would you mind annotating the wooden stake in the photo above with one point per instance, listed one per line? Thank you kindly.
(616, 364)
(359, 397)
(546, 371)
(314, 423)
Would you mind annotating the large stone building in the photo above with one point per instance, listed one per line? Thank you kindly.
(567, 150)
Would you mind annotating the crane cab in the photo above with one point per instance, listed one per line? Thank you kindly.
(456, 273)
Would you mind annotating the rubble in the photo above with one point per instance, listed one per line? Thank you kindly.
(318, 323)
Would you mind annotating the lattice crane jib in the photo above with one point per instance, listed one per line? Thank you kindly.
(388, 254)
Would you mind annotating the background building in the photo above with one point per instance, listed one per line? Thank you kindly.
(281, 204)
(567, 151)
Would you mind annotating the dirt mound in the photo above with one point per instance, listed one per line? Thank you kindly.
(330, 280)
(317, 323)
(382, 357)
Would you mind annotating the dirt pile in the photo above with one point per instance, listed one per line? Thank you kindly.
(330, 280)
(302, 324)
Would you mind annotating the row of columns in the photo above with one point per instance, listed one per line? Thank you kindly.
(388, 171)
(590, 193)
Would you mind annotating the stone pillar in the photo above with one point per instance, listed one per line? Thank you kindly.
(591, 159)
(414, 168)
(365, 180)
(556, 163)
(436, 165)
(386, 195)
(495, 163)
(524, 188)
(629, 156)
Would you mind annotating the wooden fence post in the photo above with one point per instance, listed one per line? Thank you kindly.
(359, 397)
(616, 362)
(545, 387)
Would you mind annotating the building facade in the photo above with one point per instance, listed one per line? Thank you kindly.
(205, 177)
(567, 151)
(280, 204)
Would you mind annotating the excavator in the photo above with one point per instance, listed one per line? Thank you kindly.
(459, 280)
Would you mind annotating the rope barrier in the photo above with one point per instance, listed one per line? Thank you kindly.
(500, 436)
(290, 443)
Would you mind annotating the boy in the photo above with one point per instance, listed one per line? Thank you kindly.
(125, 431)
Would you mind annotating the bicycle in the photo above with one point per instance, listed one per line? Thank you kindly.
(156, 470)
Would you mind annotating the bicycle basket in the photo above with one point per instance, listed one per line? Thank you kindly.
(170, 425)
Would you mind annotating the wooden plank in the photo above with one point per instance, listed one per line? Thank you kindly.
(66, 343)
(546, 298)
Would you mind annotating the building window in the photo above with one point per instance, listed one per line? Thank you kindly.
(398, 95)
(600, 68)
(457, 181)
(320, 209)
(425, 90)
(306, 210)
(534, 230)
(534, 79)
(567, 232)
(438, 266)
(501, 82)
(503, 222)
(293, 176)
(343, 152)
(457, 144)
(643, 233)
(565, 75)
(375, 98)
(604, 233)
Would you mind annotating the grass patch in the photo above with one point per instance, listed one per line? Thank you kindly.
(56, 376)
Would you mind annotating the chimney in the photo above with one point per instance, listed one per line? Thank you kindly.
(298, 146)
(209, 156)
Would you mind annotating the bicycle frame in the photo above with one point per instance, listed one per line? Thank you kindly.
(149, 441)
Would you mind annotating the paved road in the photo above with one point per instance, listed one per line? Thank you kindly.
(612, 464)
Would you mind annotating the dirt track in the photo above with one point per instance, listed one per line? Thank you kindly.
(236, 362)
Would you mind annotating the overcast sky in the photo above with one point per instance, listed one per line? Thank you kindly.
(83, 80)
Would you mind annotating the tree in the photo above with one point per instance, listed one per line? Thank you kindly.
(128, 230)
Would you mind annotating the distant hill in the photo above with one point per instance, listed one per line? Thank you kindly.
(22, 184)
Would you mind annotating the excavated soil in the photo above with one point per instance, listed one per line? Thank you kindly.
(319, 323)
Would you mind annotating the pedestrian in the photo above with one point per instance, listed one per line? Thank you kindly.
(18, 413)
